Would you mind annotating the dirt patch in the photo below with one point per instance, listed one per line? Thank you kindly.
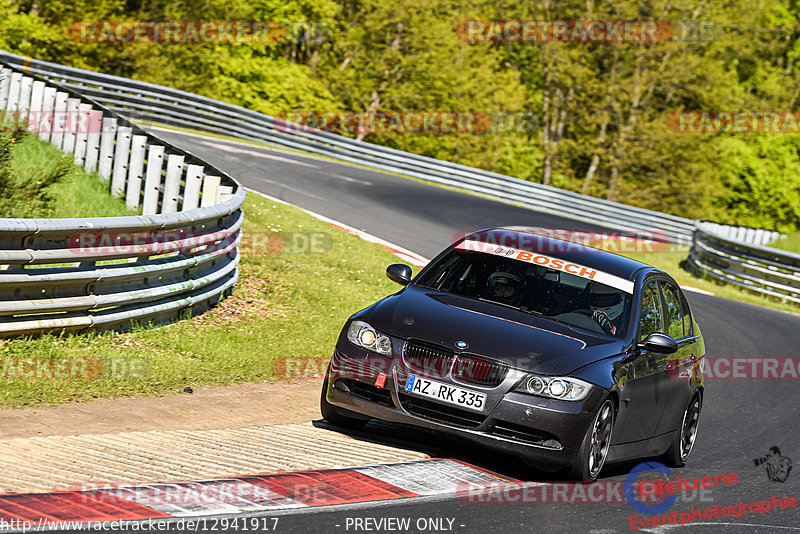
(207, 408)
(249, 300)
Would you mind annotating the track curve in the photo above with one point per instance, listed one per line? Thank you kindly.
(741, 419)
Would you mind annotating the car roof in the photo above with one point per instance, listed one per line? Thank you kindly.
(531, 239)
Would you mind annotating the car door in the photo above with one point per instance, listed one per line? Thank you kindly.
(673, 389)
(639, 393)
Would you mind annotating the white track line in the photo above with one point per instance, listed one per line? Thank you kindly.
(403, 253)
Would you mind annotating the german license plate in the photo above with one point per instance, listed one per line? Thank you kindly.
(432, 389)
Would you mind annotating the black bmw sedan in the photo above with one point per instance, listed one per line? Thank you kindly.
(565, 355)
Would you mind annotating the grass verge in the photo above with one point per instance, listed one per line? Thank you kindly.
(286, 304)
(790, 243)
(76, 194)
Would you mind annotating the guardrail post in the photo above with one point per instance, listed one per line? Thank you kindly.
(154, 288)
(224, 192)
(59, 119)
(5, 80)
(210, 185)
(82, 123)
(24, 105)
(121, 156)
(152, 179)
(172, 184)
(191, 192)
(48, 106)
(134, 189)
(94, 126)
(73, 104)
(37, 94)
(13, 91)
(107, 147)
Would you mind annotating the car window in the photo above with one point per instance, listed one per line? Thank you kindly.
(675, 310)
(551, 293)
(688, 329)
(650, 316)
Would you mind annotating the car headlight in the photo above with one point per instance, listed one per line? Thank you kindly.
(555, 387)
(363, 335)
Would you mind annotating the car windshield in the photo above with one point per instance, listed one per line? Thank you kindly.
(554, 294)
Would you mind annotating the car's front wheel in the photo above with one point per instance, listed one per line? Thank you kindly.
(685, 436)
(330, 413)
(594, 449)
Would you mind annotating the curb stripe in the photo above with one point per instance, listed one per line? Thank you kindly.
(297, 490)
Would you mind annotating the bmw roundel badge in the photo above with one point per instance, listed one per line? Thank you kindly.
(462, 344)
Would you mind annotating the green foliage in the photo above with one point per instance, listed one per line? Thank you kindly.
(600, 109)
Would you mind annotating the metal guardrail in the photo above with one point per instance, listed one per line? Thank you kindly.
(146, 101)
(729, 254)
(180, 256)
(757, 268)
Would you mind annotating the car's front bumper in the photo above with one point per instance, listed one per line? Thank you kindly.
(545, 431)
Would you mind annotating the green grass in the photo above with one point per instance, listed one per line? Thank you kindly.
(78, 194)
(284, 305)
(791, 243)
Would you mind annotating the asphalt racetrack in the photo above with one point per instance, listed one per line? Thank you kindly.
(741, 420)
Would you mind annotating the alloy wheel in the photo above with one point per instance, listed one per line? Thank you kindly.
(691, 418)
(601, 439)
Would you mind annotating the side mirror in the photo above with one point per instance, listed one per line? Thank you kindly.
(400, 273)
(661, 343)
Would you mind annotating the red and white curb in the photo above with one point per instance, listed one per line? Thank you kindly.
(258, 493)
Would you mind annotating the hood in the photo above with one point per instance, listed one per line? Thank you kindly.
(522, 340)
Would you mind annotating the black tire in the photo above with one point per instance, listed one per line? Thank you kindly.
(686, 434)
(331, 414)
(594, 448)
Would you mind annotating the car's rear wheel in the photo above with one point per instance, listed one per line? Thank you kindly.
(331, 414)
(685, 436)
(594, 449)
